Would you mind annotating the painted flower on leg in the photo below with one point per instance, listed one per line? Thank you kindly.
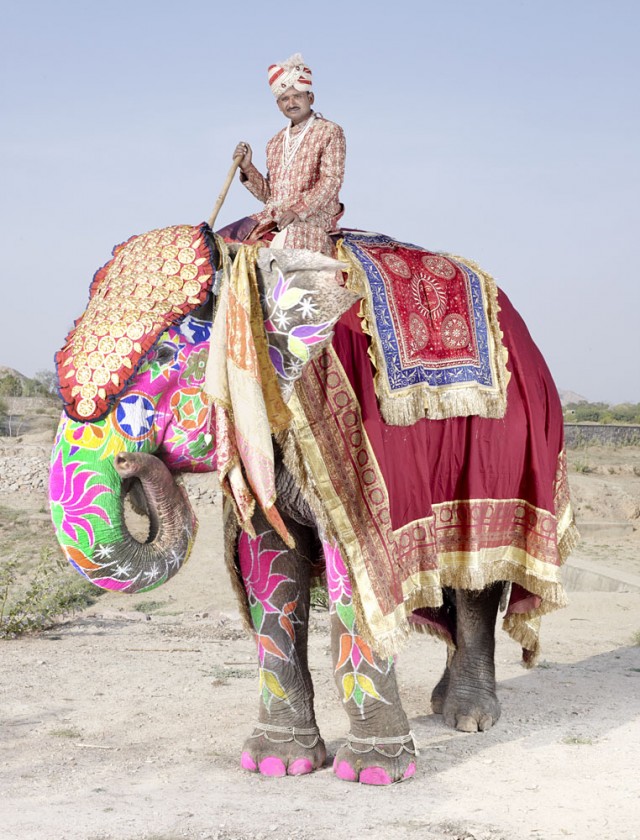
(261, 582)
(358, 687)
(338, 581)
(256, 566)
(355, 655)
(271, 688)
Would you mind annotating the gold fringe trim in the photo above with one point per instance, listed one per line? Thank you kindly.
(468, 570)
(418, 401)
(525, 631)
(459, 570)
(523, 628)
(567, 532)
(569, 540)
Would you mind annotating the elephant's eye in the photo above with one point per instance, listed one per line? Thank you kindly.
(165, 353)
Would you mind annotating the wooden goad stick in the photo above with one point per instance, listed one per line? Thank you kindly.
(224, 190)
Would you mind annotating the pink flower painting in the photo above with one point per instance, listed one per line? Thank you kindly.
(256, 564)
(71, 491)
(338, 581)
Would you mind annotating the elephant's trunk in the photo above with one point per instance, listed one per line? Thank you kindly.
(172, 523)
(88, 511)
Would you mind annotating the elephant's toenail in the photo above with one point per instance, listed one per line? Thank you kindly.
(300, 767)
(273, 766)
(374, 776)
(411, 769)
(247, 762)
(345, 771)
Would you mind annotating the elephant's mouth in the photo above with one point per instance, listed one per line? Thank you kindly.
(137, 515)
(161, 507)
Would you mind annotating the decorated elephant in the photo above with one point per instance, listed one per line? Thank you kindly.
(399, 437)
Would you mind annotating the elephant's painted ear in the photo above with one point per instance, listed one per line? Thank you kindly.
(151, 282)
(302, 301)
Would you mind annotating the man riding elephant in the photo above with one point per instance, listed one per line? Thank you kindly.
(305, 163)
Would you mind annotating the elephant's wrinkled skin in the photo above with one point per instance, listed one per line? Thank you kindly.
(163, 422)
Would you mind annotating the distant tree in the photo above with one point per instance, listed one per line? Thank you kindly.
(11, 422)
(10, 386)
(589, 413)
(626, 413)
(31, 388)
(48, 380)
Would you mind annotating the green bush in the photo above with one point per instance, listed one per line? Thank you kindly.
(10, 386)
(53, 590)
(319, 598)
(625, 413)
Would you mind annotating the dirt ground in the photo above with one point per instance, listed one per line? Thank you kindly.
(125, 722)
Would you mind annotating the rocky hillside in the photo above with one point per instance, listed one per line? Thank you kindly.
(570, 397)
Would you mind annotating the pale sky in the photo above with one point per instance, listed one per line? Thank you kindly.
(506, 131)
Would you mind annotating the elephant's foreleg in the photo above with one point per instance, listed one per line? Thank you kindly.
(466, 694)
(276, 579)
(380, 748)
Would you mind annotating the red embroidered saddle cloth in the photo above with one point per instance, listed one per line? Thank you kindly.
(152, 281)
(435, 337)
(457, 503)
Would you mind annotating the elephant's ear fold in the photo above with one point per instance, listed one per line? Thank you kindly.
(302, 301)
(151, 282)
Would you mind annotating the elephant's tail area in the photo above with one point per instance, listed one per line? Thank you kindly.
(460, 502)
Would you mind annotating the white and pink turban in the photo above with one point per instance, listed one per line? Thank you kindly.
(291, 73)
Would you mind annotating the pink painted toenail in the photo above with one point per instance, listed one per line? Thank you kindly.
(411, 769)
(344, 770)
(300, 767)
(247, 763)
(374, 776)
(273, 766)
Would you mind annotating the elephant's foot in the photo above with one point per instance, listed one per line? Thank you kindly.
(376, 761)
(469, 682)
(439, 693)
(283, 750)
(471, 714)
(470, 702)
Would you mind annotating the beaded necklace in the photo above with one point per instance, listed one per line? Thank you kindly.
(290, 146)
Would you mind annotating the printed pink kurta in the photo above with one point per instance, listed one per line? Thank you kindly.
(309, 186)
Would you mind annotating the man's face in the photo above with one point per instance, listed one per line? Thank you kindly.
(295, 104)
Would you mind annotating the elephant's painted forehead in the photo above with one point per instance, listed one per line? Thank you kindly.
(179, 356)
(176, 363)
(163, 405)
(153, 281)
